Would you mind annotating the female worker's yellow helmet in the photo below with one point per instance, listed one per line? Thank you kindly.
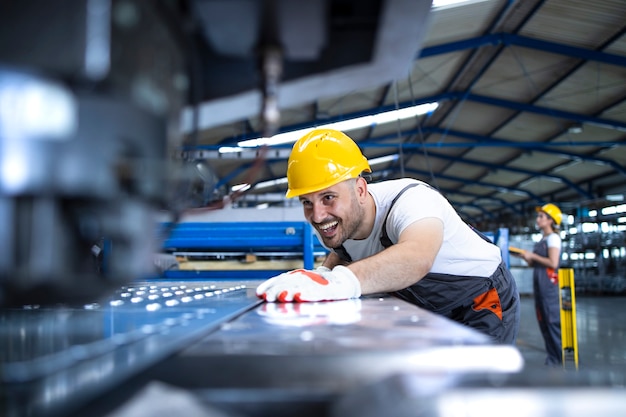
(321, 159)
(553, 211)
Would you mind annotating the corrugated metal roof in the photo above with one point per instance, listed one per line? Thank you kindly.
(512, 78)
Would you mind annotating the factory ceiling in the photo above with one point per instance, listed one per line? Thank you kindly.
(531, 94)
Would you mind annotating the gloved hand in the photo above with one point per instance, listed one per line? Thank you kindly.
(301, 285)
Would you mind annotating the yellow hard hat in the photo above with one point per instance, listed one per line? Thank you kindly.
(321, 159)
(553, 211)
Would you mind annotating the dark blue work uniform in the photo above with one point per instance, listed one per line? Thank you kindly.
(547, 305)
(490, 305)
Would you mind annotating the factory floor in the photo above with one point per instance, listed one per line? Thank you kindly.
(601, 333)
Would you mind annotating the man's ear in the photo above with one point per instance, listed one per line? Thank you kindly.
(361, 188)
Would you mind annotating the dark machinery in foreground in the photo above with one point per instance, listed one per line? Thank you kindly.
(88, 92)
(98, 96)
(213, 349)
(235, 353)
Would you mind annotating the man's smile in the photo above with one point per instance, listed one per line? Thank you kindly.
(328, 229)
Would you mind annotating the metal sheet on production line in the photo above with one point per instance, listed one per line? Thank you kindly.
(53, 359)
(329, 346)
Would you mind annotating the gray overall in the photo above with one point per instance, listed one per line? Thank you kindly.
(547, 305)
(487, 304)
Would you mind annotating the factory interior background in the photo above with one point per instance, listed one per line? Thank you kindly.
(143, 159)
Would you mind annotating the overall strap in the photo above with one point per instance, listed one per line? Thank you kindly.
(343, 254)
(384, 238)
(481, 234)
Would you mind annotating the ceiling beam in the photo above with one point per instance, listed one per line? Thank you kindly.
(539, 146)
(494, 167)
(546, 111)
(507, 39)
(478, 140)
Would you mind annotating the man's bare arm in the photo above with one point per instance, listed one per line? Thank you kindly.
(404, 263)
(332, 260)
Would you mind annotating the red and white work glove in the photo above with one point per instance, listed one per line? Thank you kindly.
(301, 285)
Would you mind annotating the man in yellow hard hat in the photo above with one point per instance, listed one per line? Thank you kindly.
(398, 236)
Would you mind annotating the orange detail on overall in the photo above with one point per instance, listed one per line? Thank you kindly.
(553, 276)
(489, 300)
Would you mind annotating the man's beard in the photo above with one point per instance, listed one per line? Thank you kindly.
(347, 228)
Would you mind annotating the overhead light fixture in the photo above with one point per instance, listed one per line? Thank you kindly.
(344, 126)
(229, 149)
(575, 129)
(383, 159)
(446, 4)
(240, 188)
(607, 211)
(270, 183)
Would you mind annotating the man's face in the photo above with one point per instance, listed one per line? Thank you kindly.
(336, 212)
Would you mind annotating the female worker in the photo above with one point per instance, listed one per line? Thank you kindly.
(545, 259)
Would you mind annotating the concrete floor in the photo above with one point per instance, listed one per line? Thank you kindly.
(601, 331)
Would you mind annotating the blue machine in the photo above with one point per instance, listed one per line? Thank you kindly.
(501, 239)
(224, 239)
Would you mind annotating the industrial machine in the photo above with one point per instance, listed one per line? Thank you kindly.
(220, 345)
(199, 348)
(89, 93)
(98, 96)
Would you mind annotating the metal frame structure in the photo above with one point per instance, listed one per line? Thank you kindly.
(236, 239)
(512, 79)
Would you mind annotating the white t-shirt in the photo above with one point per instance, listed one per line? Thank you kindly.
(463, 251)
(553, 240)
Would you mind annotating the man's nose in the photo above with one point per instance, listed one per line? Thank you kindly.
(319, 213)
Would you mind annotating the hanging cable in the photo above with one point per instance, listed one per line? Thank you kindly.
(433, 179)
(399, 130)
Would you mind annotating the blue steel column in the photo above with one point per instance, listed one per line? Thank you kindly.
(307, 250)
(503, 243)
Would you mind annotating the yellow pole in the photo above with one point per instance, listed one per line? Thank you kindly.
(567, 300)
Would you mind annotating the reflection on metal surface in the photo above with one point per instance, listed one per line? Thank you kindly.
(300, 359)
(55, 358)
(161, 400)
(333, 345)
(222, 349)
(311, 314)
(530, 403)
(370, 324)
(533, 394)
